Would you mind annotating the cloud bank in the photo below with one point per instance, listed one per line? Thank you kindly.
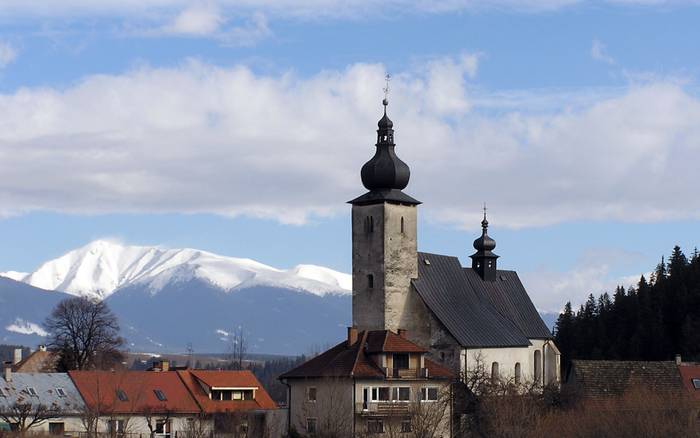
(200, 138)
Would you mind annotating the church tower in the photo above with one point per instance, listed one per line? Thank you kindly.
(384, 251)
(484, 260)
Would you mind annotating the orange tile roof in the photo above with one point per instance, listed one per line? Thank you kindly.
(99, 390)
(193, 380)
(354, 361)
(688, 373)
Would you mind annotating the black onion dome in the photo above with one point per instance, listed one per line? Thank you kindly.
(484, 243)
(385, 171)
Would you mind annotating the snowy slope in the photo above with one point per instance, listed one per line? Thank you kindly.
(103, 267)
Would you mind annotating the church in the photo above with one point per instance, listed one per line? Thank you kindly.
(420, 321)
(465, 316)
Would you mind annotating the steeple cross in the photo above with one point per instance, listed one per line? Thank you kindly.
(485, 210)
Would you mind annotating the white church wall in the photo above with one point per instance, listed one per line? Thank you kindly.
(507, 358)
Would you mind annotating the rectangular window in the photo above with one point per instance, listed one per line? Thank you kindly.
(429, 394)
(400, 361)
(32, 392)
(61, 393)
(56, 428)
(311, 393)
(160, 395)
(375, 426)
(121, 395)
(115, 426)
(227, 395)
(406, 426)
(237, 395)
(402, 393)
(311, 425)
(696, 383)
(162, 427)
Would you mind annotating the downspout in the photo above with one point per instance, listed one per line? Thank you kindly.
(289, 406)
(544, 363)
(354, 400)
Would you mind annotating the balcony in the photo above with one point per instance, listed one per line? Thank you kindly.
(406, 373)
(382, 409)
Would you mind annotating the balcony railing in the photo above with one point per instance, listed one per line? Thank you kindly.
(383, 408)
(406, 373)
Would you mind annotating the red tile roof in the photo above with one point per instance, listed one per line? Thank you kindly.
(99, 390)
(385, 341)
(194, 379)
(354, 361)
(688, 373)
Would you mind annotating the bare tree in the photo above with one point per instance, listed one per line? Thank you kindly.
(85, 333)
(154, 416)
(25, 414)
(332, 409)
(198, 426)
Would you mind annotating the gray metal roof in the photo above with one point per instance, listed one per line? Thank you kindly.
(478, 313)
(46, 386)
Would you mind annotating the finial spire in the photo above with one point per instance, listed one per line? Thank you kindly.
(385, 102)
(485, 222)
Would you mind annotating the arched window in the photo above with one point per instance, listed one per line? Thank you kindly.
(538, 366)
(402, 225)
(370, 281)
(517, 373)
(494, 372)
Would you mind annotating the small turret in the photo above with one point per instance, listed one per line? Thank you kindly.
(484, 260)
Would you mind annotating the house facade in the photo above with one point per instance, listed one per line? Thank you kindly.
(40, 402)
(374, 383)
(469, 318)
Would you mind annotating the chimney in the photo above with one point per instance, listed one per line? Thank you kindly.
(352, 336)
(678, 359)
(41, 347)
(402, 333)
(7, 371)
(17, 357)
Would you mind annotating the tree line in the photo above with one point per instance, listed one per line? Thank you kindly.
(654, 320)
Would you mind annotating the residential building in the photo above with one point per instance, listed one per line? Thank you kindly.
(40, 402)
(374, 382)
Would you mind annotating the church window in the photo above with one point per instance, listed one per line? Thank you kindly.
(538, 366)
(494, 372)
(371, 224)
(370, 281)
(517, 373)
(402, 232)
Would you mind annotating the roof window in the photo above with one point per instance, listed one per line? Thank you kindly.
(696, 383)
(60, 392)
(3, 393)
(121, 395)
(32, 391)
(160, 395)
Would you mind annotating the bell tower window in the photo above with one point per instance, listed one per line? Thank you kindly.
(402, 230)
(370, 281)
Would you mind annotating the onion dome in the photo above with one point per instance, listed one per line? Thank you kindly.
(385, 175)
(484, 243)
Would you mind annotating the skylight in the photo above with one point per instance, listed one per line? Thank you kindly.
(3, 393)
(160, 394)
(121, 395)
(696, 383)
(60, 392)
(32, 391)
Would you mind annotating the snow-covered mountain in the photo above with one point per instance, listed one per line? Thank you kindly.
(166, 299)
(103, 267)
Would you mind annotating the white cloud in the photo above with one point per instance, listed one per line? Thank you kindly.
(8, 54)
(198, 19)
(26, 328)
(199, 138)
(549, 289)
(599, 52)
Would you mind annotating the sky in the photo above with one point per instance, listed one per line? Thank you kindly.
(239, 127)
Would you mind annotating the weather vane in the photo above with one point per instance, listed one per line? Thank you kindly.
(387, 78)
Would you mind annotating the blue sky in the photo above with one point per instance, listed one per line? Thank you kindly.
(240, 128)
